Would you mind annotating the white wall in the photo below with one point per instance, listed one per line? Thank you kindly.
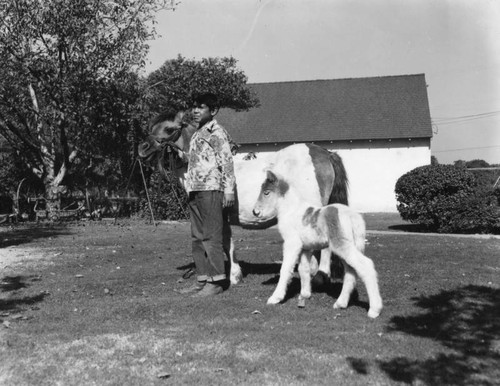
(372, 167)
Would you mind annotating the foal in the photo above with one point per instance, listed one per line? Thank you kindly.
(305, 228)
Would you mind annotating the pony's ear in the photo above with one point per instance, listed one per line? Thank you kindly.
(179, 117)
(271, 177)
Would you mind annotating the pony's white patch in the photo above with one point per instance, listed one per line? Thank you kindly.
(294, 164)
(249, 176)
(305, 228)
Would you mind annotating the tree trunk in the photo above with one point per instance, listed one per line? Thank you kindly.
(53, 194)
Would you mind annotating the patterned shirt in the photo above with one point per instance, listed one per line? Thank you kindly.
(210, 161)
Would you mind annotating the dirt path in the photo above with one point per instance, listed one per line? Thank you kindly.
(11, 256)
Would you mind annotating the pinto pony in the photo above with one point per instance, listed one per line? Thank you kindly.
(305, 228)
(318, 175)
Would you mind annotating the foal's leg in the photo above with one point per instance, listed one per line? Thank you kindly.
(365, 269)
(291, 252)
(305, 277)
(348, 285)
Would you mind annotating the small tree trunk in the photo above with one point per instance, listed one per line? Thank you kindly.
(53, 195)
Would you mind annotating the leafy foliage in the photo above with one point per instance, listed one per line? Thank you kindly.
(168, 198)
(175, 82)
(67, 90)
(446, 198)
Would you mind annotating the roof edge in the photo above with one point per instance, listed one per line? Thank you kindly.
(338, 79)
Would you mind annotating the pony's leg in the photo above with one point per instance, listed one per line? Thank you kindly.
(321, 277)
(313, 265)
(365, 269)
(235, 274)
(305, 277)
(325, 262)
(291, 252)
(348, 285)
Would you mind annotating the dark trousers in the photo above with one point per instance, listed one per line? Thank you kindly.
(207, 226)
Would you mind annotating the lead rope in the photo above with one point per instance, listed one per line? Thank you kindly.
(169, 173)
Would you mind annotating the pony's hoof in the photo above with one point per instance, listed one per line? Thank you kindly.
(320, 281)
(302, 302)
(236, 278)
(235, 275)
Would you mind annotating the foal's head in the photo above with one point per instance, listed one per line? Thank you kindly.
(272, 191)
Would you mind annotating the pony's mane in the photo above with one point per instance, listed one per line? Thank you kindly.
(167, 115)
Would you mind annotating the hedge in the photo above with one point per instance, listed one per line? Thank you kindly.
(447, 198)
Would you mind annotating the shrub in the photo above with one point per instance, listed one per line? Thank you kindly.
(446, 198)
(167, 196)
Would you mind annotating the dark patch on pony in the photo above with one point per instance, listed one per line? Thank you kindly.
(322, 158)
(275, 184)
(341, 182)
(332, 218)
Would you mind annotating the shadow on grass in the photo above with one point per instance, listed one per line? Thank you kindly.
(467, 322)
(259, 268)
(247, 268)
(14, 283)
(25, 234)
(416, 228)
(16, 304)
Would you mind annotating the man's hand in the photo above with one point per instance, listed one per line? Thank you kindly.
(228, 200)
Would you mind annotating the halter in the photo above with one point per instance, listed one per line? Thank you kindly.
(170, 141)
(168, 145)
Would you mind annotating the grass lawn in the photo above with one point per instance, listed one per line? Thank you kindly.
(99, 309)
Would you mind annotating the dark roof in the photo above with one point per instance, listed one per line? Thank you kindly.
(388, 107)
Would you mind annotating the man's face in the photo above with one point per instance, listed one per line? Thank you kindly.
(202, 114)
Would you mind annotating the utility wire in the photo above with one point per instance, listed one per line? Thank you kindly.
(464, 118)
(465, 148)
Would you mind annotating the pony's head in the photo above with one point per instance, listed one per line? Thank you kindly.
(170, 131)
(273, 189)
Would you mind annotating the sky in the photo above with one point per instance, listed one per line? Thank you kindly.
(455, 43)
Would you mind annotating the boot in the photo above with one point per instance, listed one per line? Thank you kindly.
(210, 289)
(196, 287)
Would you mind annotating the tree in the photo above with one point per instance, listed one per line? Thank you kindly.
(460, 163)
(175, 82)
(67, 78)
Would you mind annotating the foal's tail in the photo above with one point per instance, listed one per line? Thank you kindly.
(340, 182)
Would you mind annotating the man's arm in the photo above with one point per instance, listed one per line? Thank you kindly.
(225, 163)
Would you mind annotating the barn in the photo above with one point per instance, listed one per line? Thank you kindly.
(380, 126)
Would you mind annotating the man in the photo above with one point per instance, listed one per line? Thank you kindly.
(211, 186)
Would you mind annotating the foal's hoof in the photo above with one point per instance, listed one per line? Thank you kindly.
(374, 312)
(273, 300)
(320, 281)
(339, 305)
(302, 302)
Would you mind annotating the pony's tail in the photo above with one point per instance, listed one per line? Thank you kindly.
(340, 183)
